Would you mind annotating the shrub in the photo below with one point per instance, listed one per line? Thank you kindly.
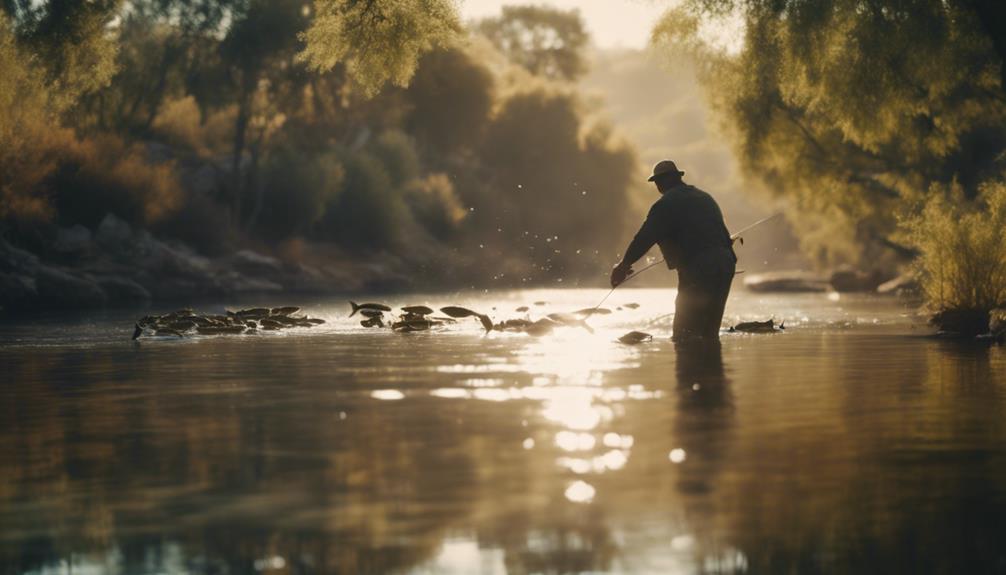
(963, 248)
(367, 213)
(298, 188)
(104, 175)
(435, 205)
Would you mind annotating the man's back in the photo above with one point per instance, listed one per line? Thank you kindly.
(691, 227)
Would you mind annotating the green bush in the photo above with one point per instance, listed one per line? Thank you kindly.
(367, 212)
(298, 189)
(435, 205)
(963, 247)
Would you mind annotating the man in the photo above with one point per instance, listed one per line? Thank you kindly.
(688, 226)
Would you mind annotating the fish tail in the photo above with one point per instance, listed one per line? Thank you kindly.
(356, 307)
(486, 322)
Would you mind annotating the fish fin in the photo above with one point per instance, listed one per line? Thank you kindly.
(486, 322)
(356, 307)
(138, 331)
(782, 325)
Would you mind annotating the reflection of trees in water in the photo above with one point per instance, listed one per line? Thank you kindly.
(904, 477)
(234, 469)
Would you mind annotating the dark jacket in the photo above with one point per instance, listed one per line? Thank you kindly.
(688, 226)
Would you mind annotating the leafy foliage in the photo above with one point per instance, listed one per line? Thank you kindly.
(378, 41)
(545, 41)
(963, 263)
(848, 108)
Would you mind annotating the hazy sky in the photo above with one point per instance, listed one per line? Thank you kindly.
(611, 23)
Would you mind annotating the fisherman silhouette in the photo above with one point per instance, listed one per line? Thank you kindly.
(687, 225)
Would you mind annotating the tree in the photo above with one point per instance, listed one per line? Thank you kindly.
(545, 41)
(378, 40)
(852, 109)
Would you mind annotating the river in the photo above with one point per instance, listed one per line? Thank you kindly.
(849, 443)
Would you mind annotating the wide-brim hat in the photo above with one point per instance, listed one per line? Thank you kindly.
(664, 167)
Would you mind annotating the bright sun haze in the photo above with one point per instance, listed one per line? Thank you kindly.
(611, 23)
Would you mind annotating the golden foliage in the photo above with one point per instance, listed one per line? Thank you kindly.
(963, 263)
(378, 41)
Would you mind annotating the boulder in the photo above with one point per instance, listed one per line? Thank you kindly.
(961, 322)
(73, 240)
(846, 280)
(120, 290)
(786, 281)
(59, 289)
(14, 259)
(254, 263)
(17, 291)
(905, 284)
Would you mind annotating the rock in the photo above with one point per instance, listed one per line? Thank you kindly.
(120, 290)
(16, 260)
(249, 262)
(961, 322)
(846, 280)
(17, 291)
(113, 234)
(59, 289)
(786, 281)
(905, 284)
(74, 240)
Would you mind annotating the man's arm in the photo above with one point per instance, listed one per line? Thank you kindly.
(649, 233)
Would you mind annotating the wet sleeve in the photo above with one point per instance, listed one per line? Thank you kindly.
(653, 230)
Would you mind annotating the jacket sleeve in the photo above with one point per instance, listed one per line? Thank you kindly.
(654, 229)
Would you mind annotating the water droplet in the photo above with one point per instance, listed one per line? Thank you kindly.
(677, 455)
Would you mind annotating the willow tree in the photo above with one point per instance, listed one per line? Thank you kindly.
(855, 110)
(378, 41)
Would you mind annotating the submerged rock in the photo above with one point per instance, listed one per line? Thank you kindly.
(963, 323)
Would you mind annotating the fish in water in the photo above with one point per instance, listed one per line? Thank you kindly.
(767, 326)
(373, 306)
(417, 309)
(371, 313)
(540, 303)
(486, 322)
(413, 325)
(513, 325)
(372, 322)
(543, 326)
(456, 311)
(569, 319)
(288, 310)
(634, 337)
(632, 305)
(522, 309)
(592, 311)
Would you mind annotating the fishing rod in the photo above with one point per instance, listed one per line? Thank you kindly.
(733, 237)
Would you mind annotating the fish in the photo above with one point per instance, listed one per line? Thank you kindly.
(221, 330)
(767, 326)
(372, 322)
(513, 325)
(634, 337)
(592, 311)
(413, 325)
(632, 305)
(256, 312)
(417, 309)
(287, 310)
(569, 319)
(486, 322)
(541, 303)
(315, 320)
(456, 311)
(358, 306)
(541, 327)
(371, 313)
(522, 308)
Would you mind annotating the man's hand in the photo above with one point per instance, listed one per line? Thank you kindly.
(619, 273)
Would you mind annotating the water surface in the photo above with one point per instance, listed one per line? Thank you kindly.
(849, 443)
